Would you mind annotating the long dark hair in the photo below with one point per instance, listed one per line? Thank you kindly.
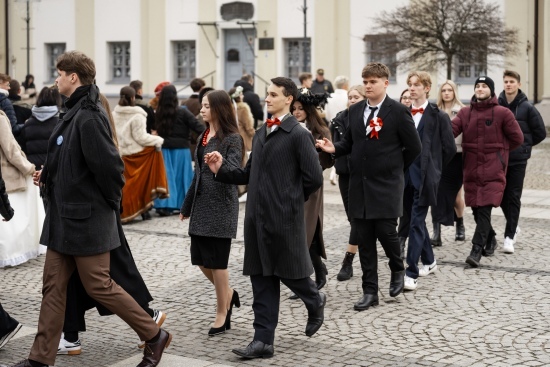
(222, 111)
(166, 113)
(314, 121)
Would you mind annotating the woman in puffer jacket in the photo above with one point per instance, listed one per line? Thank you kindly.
(143, 162)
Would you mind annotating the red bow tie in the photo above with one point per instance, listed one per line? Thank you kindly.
(271, 122)
(414, 111)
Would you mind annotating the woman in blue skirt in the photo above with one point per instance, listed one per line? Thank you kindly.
(173, 124)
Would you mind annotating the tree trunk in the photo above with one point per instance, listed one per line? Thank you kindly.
(449, 67)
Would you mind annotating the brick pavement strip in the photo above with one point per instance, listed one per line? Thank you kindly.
(493, 315)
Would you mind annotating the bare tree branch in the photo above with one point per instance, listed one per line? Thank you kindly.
(432, 33)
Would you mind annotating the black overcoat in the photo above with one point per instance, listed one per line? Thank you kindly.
(377, 165)
(283, 170)
(438, 148)
(83, 180)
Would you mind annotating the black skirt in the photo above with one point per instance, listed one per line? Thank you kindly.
(210, 252)
(449, 186)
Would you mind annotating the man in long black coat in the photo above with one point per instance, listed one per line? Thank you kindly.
(382, 142)
(82, 184)
(282, 172)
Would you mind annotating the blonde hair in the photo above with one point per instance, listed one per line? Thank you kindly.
(360, 88)
(423, 78)
(455, 102)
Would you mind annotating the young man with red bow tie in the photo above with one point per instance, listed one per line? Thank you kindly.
(382, 142)
(281, 173)
(422, 177)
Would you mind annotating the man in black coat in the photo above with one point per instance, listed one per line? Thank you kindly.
(81, 183)
(281, 173)
(534, 132)
(251, 98)
(382, 142)
(422, 177)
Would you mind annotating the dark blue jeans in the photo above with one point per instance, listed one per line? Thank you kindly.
(419, 238)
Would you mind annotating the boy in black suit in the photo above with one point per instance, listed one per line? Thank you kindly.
(382, 142)
(422, 177)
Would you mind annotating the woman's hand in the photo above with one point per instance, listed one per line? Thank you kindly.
(214, 161)
(36, 177)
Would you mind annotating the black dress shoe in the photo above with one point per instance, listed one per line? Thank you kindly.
(366, 301)
(25, 363)
(163, 212)
(146, 216)
(293, 296)
(256, 349)
(315, 319)
(397, 283)
(152, 353)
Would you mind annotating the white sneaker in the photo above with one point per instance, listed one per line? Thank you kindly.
(508, 246)
(427, 269)
(410, 283)
(159, 318)
(516, 236)
(6, 338)
(70, 348)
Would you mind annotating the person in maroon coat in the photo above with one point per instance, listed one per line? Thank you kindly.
(490, 132)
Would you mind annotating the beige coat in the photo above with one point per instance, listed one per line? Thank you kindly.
(131, 130)
(246, 125)
(15, 166)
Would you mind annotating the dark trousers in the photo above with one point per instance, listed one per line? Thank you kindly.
(419, 246)
(405, 221)
(7, 323)
(95, 276)
(368, 231)
(267, 293)
(511, 200)
(343, 185)
(484, 230)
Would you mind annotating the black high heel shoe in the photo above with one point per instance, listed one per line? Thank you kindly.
(235, 301)
(221, 330)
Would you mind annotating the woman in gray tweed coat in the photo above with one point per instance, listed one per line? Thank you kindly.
(212, 206)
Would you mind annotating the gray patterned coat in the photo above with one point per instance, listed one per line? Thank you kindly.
(282, 172)
(213, 207)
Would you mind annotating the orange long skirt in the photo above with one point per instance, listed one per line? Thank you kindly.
(145, 181)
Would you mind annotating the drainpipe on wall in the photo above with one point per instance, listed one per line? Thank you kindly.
(536, 55)
(6, 32)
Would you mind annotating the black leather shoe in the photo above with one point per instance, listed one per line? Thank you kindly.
(315, 319)
(146, 216)
(490, 247)
(397, 283)
(24, 363)
(475, 256)
(163, 212)
(321, 276)
(293, 296)
(347, 267)
(152, 353)
(256, 349)
(366, 301)
(460, 234)
(436, 237)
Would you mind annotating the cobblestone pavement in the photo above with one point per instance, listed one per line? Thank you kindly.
(496, 315)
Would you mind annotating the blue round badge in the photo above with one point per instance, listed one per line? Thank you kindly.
(59, 140)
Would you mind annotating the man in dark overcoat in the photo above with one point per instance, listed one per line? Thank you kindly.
(382, 142)
(422, 177)
(82, 183)
(282, 172)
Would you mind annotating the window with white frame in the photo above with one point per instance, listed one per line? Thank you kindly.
(297, 57)
(471, 67)
(380, 48)
(119, 62)
(184, 56)
(53, 50)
